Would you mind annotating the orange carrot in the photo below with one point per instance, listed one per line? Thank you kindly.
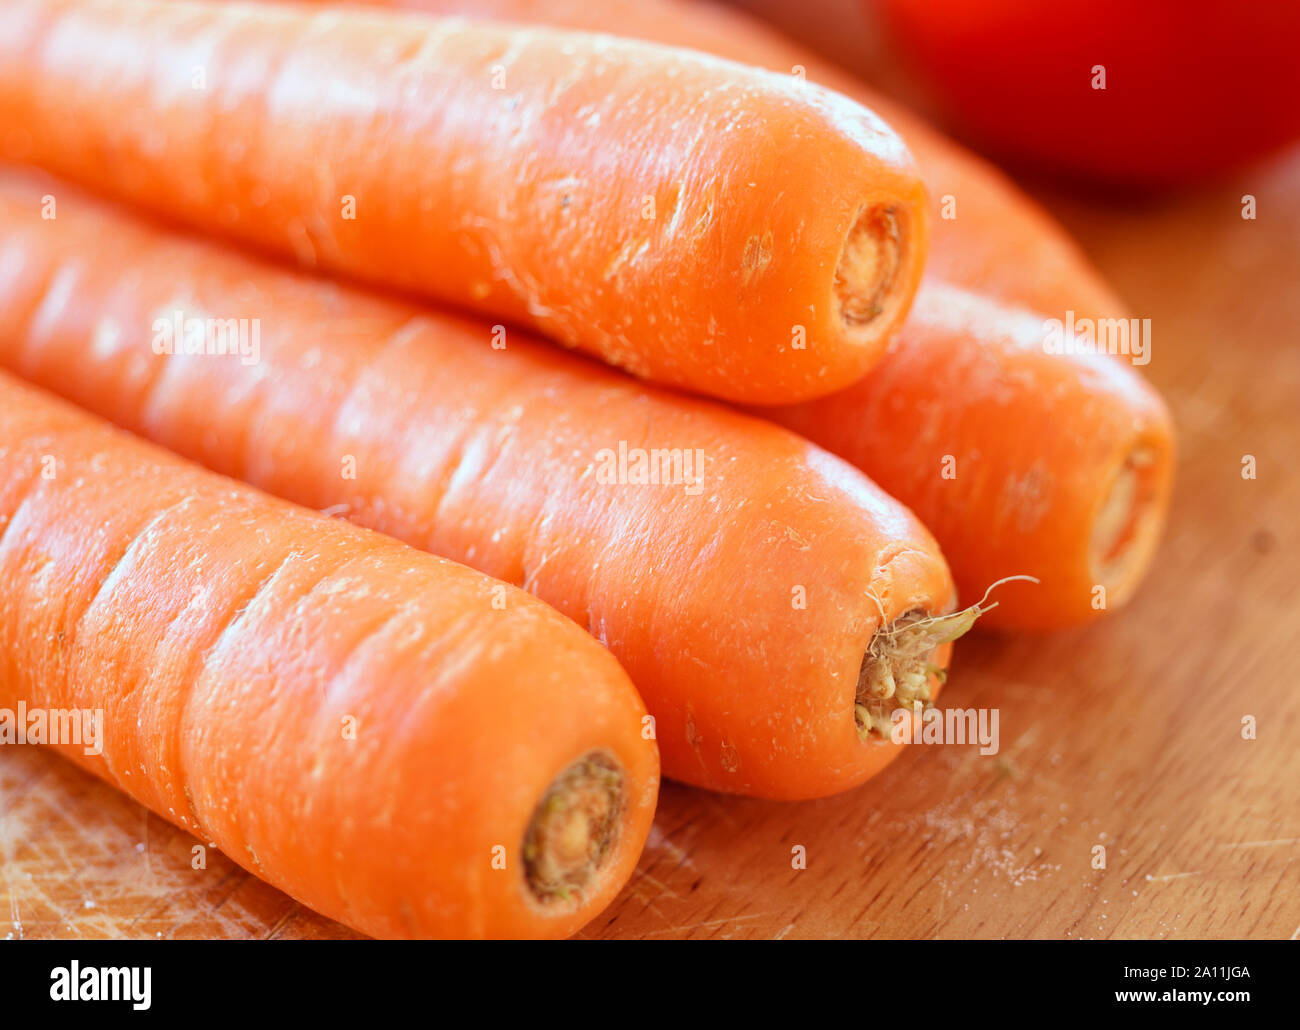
(1020, 459)
(765, 597)
(393, 739)
(966, 380)
(989, 237)
(694, 221)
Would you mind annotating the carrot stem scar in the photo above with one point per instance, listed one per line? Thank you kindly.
(869, 264)
(574, 828)
(1127, 524)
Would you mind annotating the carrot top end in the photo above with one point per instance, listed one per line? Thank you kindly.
(573, 829)
(866, 277)
(1127, 526)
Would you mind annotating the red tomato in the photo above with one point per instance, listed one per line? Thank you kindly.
(1192, 87)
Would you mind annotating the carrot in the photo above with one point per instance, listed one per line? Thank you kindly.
(1001, 243)
(691, 220)
(756, 588)
(1019, 460)
(1084, 523)
(989, 237)
(393, 739)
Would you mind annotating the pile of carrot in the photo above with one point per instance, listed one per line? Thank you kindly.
(329, 253)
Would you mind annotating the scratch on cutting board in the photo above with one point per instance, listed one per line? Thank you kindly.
(664, 889)
(659, 841)
(636, 890)
(144, 849)
(708, 922)
(1171, 876)
(1262, 843)
(280, 923)
(15, 914)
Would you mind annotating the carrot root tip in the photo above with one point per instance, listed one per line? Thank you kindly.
(573, 829)
(898, 668)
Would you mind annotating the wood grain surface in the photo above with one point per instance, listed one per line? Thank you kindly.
(1126, 735)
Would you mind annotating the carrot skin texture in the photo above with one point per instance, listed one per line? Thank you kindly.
(998, 243)
(492, 457)
(1033, 443)
(1001, 242)
(679, 216)
(226, 635)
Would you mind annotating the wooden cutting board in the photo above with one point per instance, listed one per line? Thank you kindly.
(1126, 735)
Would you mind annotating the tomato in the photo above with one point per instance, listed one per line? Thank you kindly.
(1192, 88)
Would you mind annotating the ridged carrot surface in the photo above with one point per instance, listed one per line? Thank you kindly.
(397, 741)
(714, 226)
(988, 236)
(1035, 495)
(757, 589)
